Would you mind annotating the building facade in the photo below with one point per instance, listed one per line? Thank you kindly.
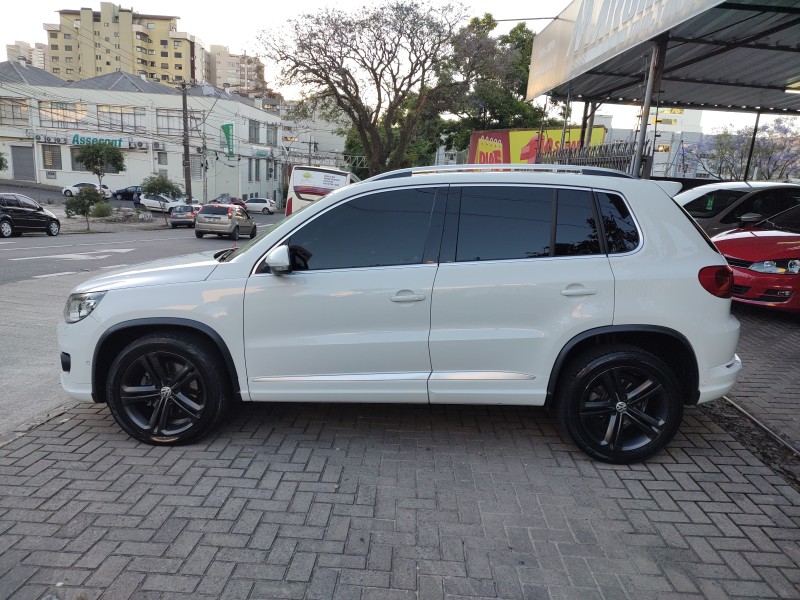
(44, 122)
(86, 43)
(36, 55)
(235, 70)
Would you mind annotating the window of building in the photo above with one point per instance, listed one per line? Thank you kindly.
(165, 65)
(98, 69)
(53, 46)
(70, 71)
(14, 112)
(51, 157)
(384, 228)
(178, 78)
(68, 59)
(162, 158)
(164, 54)
(196, 166)
(98, 56)
(54, 58)
(254, 130)
(56, 70)
(121, 118)
(165, 77)
(163, 42)
(178, 67)
(62, 115)
(151, 25)
(116, 34)
(176, 44)
(170, 122)
(258, 169)
(97, 44)
(272, 135)
(79, 166)
(249, 169)
(179, 55)
(67, 36)
(67, 48)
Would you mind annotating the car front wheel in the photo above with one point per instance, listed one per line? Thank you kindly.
(119, 196)
(253, 232)
(68, 193)
(166, 389)
(53, 228)
(198, 234)
(6, 229)
(619, 404)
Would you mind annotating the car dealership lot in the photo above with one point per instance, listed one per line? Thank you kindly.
(366, 501)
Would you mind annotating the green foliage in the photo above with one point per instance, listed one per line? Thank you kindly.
(3, 162)
(159, 184)
(82, 202)
(99, 158)
(101, 209)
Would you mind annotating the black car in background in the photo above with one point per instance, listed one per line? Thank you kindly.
(20, 214)
(132, 192)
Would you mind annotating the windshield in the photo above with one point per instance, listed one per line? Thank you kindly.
(312, 184)
(788, 220)
(712, 203)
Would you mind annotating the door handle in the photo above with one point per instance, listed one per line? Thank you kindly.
(407, 296)
(578, 292)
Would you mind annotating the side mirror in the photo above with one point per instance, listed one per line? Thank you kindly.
(751, 218)
(278, 261)
(39, 208)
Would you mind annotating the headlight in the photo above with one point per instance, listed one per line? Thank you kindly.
(782, 267)
(80, 306)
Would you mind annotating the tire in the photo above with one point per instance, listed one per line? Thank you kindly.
(253, 231)
(174, 226)
(53, 228)
(198, 234)
(235, 233)
(68, 193)
(166, 388)
(119, 196)
(619, 404)
(6, 229)
(265, 211)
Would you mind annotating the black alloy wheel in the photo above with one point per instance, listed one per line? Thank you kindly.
(165, 389)
(619, 403)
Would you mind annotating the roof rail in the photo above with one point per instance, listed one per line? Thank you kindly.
(486, 168)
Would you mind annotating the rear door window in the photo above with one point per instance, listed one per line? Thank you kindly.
(618, 226)
(712, 203)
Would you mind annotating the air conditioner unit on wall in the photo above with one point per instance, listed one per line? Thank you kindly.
(158, 145)
(199, 150)
(39, 137)
(50, 138)
(141, 145)
(61, 140)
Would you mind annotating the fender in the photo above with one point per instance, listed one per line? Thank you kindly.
(167, 321)
(612, 331)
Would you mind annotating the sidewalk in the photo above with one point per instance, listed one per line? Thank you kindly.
(369, 502)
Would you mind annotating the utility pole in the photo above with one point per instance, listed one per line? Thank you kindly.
(187, 167)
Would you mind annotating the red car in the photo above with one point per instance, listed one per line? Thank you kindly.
(765, 258)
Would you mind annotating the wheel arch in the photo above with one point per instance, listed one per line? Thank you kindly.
(121, 334)
(669, 345)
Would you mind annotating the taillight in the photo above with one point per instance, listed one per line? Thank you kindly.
(191, 213)
(717, 280)
(230, 213)
(288, 207)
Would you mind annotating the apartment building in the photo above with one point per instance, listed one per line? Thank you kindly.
(87, 43)
(36, 55)
(235, 70)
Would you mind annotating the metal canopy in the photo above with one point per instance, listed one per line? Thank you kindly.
(735, 56)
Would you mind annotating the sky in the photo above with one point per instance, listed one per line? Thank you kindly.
(237, 24)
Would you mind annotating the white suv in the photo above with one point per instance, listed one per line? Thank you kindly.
(524, 285)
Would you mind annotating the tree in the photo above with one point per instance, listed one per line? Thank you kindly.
(162, 186)
(776, 152)
(384, 68)
(82, 202)
(99, 158)
(3, 162)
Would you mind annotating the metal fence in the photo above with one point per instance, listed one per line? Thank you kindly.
(616, 155)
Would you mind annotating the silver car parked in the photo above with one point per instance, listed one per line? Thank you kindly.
(224, 219)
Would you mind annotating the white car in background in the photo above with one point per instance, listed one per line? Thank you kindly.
(71, 190)
(265, 206)
(158, 203)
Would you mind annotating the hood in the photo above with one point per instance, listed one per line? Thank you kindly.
(49, 214)
(758, 244)
(177, 269)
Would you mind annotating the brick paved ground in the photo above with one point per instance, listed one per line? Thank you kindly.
(353, 502)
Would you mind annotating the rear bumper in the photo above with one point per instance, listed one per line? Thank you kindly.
(718, 381)
(225, 227)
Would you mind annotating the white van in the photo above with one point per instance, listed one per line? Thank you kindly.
(309, 184)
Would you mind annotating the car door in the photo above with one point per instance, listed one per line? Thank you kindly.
(19, 217)
(764, 203)
(34, 217)
(351, 322)
(522, 272)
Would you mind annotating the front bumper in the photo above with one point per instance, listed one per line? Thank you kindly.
(780, 292)
(74, 340)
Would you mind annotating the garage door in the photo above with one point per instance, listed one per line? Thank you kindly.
(22, 162)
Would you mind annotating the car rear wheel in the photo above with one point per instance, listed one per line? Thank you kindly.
(619, 404)
(198, 234)
(119, 196)
(174, 226)
(53, 228)
(235, 233)
(253, 232)
(68, 193)
(166, 389)
(6, 229)
(265, 211)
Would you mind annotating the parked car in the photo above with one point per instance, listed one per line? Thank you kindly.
(224, 219)
(262, 205)
(158, 203)
(71, 190)
(183, 214)
(20, 214)
(497, 284)
(766, 261)
(132, 192)
(723, 206)
(229, 200)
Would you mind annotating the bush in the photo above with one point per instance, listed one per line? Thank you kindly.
(82, 202)
(101, 209)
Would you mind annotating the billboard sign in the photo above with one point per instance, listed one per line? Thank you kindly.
(522, 146)
(589, 32)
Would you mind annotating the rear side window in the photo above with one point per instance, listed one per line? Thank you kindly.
(712, 203)
(620, 230)
(214, 210)
(576, 226)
